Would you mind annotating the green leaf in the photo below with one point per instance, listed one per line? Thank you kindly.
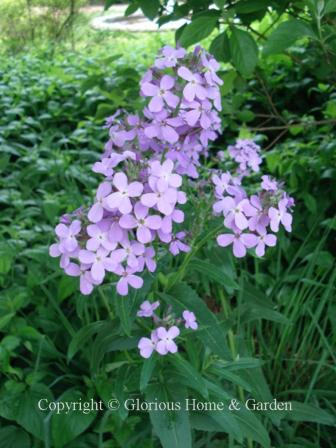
(227, 421)
(105, 109)
(330, 6)
(82, 337)
(66, 426)
(220, 3)
(108, 341)
(179, 32)
(296, 129)
(259, 306)
(245, 115)
(249, 6)
(214, 273)
(66, 287)
(172, 427)
(29, 416)
(310, 203)
(244, 51)
(109, 3)
(188, 371)
(256, 312)
(197, 30)
(51, 209)
(147, 371)
(6, 260)
(127, 306)
(273, 160)
(220, 47)
(285, 35)
(232, 377)
(131, 9)
(4, 161)
(228, 80)
(302, 412)
(210, 332)
(123, 310)
(4, 320)
(251, 427)
(330, 110)
(150, 8)
(240, 364)
(13, 437)
(261, 391)
(203, 422)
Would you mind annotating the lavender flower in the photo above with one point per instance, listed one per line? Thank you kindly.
(133, 209)
(147, 346)
(247, 154)
(166, 343)
(120, 199)
(194, 87)
(147, 309)
(240, 242)
(163, 337)
(160, 94)
(190, 320)
(280, 215)
(177, 245)
(250, 214)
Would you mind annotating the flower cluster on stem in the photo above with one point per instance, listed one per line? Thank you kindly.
(162, 337)
(249, 220)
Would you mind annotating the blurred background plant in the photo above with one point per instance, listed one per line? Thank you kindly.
(27, 22)
(274, 318)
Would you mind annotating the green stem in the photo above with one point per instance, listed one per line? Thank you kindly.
(107, 306)
(232, 345)
(64, 320)
(181, 272)
(128, 357)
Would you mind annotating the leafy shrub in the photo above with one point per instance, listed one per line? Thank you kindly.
(245, 25)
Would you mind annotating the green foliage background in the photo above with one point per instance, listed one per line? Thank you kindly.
(268, 325)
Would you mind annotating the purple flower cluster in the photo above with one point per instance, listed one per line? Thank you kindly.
(134, 206)
(142, 163)
(247, 154)
(248, 218)
(162, 338)
(137, 210)
(180, 117)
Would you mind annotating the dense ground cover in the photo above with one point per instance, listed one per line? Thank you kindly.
(276, 313)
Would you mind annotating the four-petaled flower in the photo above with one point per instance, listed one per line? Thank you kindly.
(280, 215)
(234, 212)
(143, 223)
(147, 309)
(160, 94)
(163, 173)
(127, 278)
(147, 346)
(194, 87)
(99, 236)
(96, 212)
(121, 199)
(264, 239)
(169, 57)
(99, 261)
(164, 200)
(68, 235)
(166, 340)
(240, 241)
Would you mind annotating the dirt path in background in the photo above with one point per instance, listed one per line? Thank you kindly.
(114, 20)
